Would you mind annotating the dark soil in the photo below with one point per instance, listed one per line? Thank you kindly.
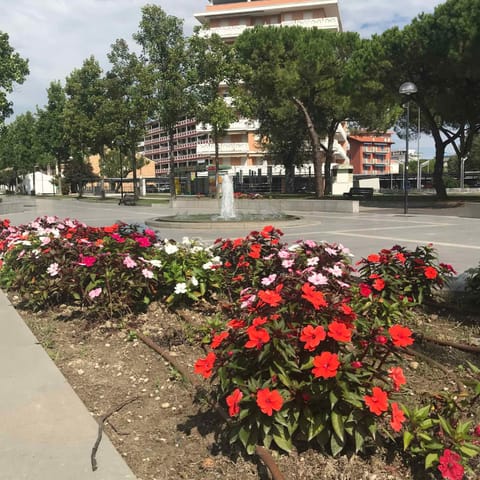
(169, 434)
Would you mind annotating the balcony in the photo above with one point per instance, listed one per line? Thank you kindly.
(223, 148)
(328, 23)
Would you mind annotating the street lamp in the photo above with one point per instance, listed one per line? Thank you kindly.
(406, 89)
(462, 172)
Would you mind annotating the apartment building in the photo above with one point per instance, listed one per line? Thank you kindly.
(240, 151)
(371, 153)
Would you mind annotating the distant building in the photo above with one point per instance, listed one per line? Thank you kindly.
(371, 153)
(240, 151)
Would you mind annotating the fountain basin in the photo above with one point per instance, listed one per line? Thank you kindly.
(213, 221)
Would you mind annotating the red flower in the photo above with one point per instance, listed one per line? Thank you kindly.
(356, 364)
(396, 374)
(382, 339)
(257, 337)
(326, 365)
(255, 250)
(365, 290)
(204, 366)
(373, 258)
(257, 321)
(450, 466)
(313, 296)
(312, 336)
(379, 284)
(233, 400)
(378, 401)
(430, 272)
(476, 432)
(267, 231)
(269, 400)
(401, 336)
(218, 339)
(271, 297)
(398, 417)
(143, 241)
(236, 323)
(400, 257)
(339, 332)
(237, 242)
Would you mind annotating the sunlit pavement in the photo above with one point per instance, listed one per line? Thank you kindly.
(456, 239)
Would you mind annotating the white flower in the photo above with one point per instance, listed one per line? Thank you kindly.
(186, 241)
(318, 279)
(170, 249)
(331, 251)
(147, 273)
(311, 262)
(207, 266)
(53, 269)
(287, 263)
(194, 282)
(336, 271)
(156, 263)
(180, 288)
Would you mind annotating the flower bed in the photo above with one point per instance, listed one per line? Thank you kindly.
(302, 353)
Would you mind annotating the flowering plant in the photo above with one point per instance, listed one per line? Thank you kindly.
(111, 270)
(295, 361)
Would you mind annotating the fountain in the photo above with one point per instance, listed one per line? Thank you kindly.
(228, 213)
(227, 210)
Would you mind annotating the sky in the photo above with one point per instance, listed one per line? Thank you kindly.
(56, 36)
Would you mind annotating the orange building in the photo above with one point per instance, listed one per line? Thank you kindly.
(371, 153)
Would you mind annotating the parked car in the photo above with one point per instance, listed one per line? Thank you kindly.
(149, 188)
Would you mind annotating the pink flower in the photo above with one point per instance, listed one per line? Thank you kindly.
(129, 262)
(266, 281)
(143, 241)
(118, 238)
(318, 279)
(53, 269)
(95, 293)
(87, 261)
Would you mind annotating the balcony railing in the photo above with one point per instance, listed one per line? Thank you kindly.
(234, 31)
(223, 148)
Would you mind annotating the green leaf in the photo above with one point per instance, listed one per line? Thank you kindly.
(282, 440)
(407, 439)
(244, 434)
(336, 444)
(333, 398)
(446, 426)
(470, 450)
(359, 441)
(338, 425)
(430, 459)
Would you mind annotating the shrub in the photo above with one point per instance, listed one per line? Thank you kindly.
(294, 361)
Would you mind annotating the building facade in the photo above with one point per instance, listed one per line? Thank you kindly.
(240, 151)
(371, 153)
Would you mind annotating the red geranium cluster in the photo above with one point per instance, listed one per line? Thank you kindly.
(294, 348)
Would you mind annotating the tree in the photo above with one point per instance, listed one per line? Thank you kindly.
(325, 74)
(78, 172)
(164, 49)
(13, 69)
(127, 107)
(51, 126)
(214, 71)
(85, 95)
(439, 52)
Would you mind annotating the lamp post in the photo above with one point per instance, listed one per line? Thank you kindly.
(462, 172)
(406, 89)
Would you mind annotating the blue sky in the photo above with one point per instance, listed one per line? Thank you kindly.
(58, 35)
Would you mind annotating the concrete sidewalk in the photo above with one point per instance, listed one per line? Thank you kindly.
(46, 432)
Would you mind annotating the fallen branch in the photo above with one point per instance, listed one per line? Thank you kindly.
(459, 346)
(262, 452)
(101, 421)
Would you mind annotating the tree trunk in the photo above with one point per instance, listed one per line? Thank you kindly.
(217, 163)
(438, 171)
(134, 173)
(290, 178)
(317, 149)
(329, 157)
(173, 192)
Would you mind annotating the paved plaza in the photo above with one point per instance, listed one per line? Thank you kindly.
(456, 239)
